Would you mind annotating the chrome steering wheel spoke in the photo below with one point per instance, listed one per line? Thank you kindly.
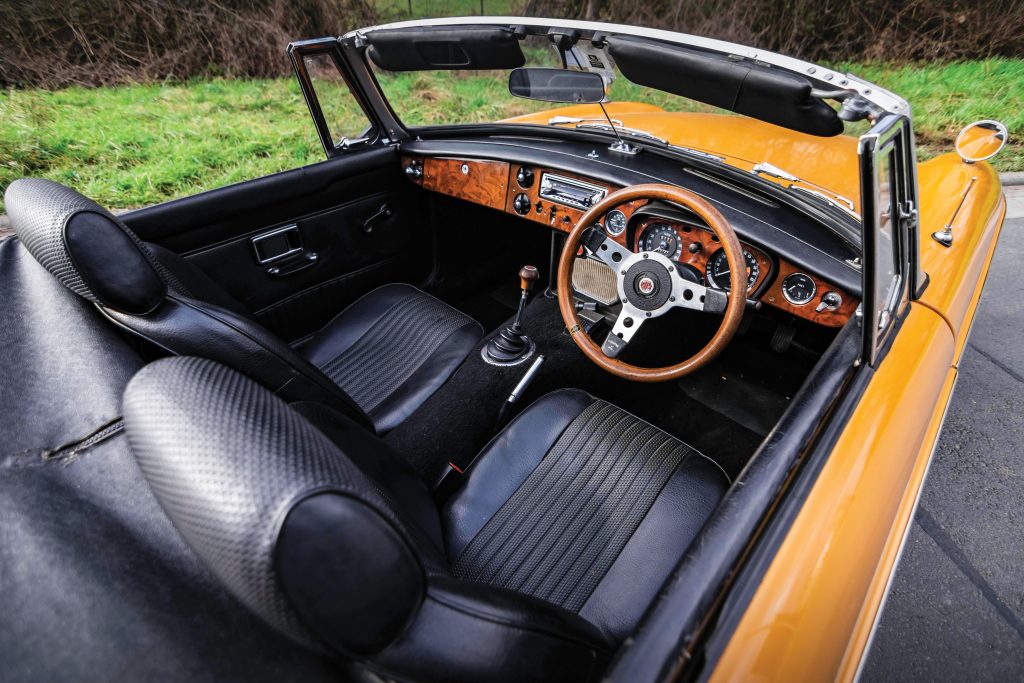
(649, 284)
(626, 325)
(598, 245)
(697, 297)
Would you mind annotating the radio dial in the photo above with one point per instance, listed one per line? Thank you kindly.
(521, 204)
(524, 177)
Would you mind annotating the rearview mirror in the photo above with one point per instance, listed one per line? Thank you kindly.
(556, 85)
(981, 140)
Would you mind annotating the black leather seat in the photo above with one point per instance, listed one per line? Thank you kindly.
(377, 361)
(537, 568)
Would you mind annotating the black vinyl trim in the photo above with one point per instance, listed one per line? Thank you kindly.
(444, 47)
(749, 578)
(157, 223)
(740, 85)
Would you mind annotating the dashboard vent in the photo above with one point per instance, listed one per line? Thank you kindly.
(733, 186)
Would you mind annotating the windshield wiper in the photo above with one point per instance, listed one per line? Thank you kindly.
(814, 190)
(562, 120)
(634, 132)
(596, 122)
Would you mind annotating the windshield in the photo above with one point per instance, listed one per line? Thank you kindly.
(437, 98)
(825, 166)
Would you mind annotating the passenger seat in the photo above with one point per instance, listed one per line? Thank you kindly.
(377, 361)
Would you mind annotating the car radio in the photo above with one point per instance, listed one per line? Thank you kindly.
(574, 193)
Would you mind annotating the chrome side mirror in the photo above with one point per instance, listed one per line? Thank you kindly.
(981, 140)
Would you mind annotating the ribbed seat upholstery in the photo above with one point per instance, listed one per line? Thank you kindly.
(383, 356)
(559, 533)
(390, 350)
(582, 505)
(537, 569)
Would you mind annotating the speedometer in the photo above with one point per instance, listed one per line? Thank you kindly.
(718, 269)
(664, 238)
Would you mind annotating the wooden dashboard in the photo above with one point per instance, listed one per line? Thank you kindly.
(515, 189)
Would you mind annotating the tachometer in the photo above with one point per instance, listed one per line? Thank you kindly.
(662, 237)
(718, 269)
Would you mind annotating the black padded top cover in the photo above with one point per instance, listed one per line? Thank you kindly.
(458, 47)
(745, 88)
(84, 246)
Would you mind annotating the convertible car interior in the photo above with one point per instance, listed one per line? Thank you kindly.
(490, 402)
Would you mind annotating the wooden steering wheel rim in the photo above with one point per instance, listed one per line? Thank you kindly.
(737, 282)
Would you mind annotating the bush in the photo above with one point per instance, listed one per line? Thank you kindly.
(888, 30)
(56, 43)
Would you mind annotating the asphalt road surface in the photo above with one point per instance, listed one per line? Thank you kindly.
(955, 611)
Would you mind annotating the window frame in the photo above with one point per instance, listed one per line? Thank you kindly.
(891, 137)
(297, 53)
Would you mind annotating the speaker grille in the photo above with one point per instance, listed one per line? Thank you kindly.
(593, 278)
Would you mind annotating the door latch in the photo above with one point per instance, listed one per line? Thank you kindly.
(277, 244)
(382, 213)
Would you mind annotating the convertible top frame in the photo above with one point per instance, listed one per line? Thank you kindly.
(822, 77)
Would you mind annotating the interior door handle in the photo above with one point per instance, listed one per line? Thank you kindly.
(305, 261)
(383, 212)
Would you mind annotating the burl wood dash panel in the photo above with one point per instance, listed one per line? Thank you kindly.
(553, 215)
(494, 184)
(477, 181)
(836, 318)
(772, 296)
(708, 245)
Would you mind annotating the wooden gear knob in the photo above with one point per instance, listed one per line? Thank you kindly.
(528, 276)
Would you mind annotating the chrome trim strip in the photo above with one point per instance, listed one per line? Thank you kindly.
(291, 227)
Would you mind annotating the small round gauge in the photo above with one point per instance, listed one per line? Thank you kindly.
(615, 223)
(798, 289)
(662, 237)
(718, 269)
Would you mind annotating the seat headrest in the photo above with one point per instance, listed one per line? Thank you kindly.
(274, 509)
(84, 246)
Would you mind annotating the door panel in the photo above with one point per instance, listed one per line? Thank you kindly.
(329, 203)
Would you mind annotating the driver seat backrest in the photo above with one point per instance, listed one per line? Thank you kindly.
(333, 541)
(156, 294)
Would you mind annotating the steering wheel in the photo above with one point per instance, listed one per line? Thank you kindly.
(649, 284)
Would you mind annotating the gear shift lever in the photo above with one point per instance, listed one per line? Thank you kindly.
(511, 344)
(528, 277)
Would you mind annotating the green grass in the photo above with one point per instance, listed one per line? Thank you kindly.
(136, 145)
(944, 98)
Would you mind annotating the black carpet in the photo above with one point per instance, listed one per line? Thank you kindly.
(724, 410)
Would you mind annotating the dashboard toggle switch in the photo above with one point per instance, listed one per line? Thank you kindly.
(830, 301)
